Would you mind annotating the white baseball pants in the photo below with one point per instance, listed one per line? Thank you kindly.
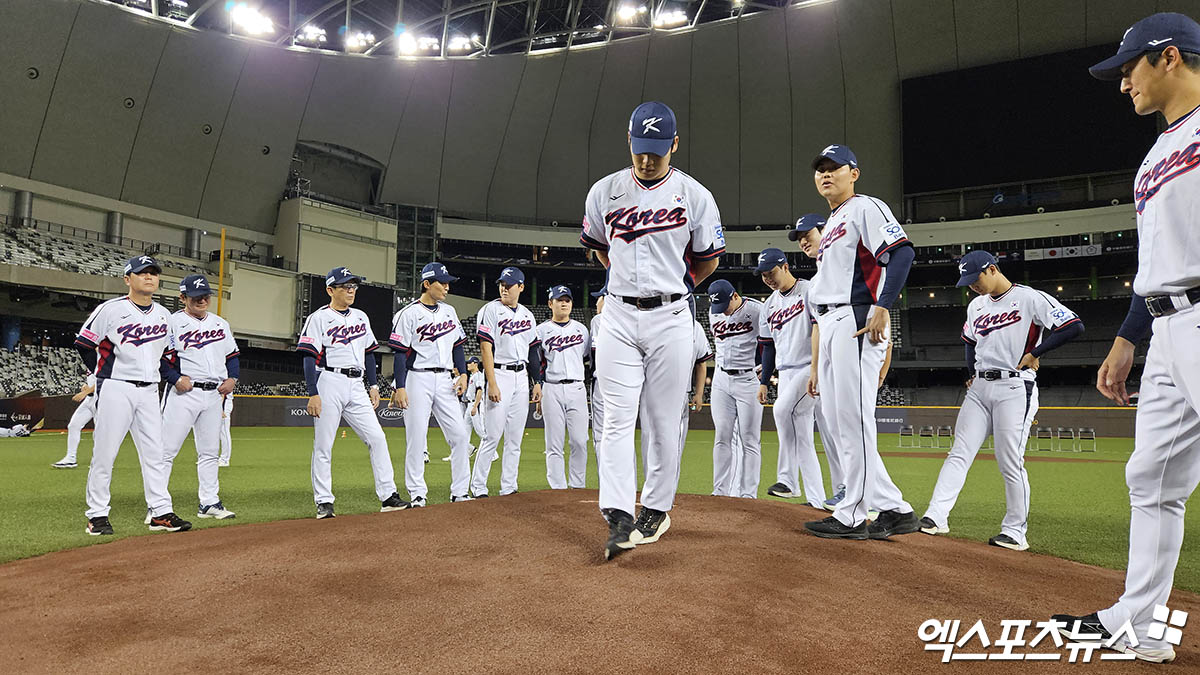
(1004, 408)
(736, 413)
(793, 414)
(345, 398)
(226, 444)
(640, 356)
(1162, 472)
(79, 419)
(597, 416)
(196, 411)
(829, 443)
(473, 421)
(123, 408)
(564, 409)
(848, 381)
(433, 393)
(504, 419)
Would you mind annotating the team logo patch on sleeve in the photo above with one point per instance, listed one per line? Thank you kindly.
(89, 335)
(306, 340)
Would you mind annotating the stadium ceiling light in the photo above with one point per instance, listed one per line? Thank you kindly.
(670, 18)
(360, 40)
(429, 44)
(406, 43)
(311, 35)
(459, 43)
(250, 20)
(627, 13)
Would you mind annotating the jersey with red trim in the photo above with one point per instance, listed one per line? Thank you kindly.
(652, 235)
(786, 319)
(511, 330)
(129, 341)
(200, 347)
(736, 335)
(427, 334)
(1167, 196)
(855, 246)
(563, 348)
(1005, 328)
(338, 339)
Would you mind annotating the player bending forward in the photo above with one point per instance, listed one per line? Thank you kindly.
(339, 348)
(428, 340)
(736, 413)
(1004, 336)
(564, 344)
(658, 232)
(1158, 65)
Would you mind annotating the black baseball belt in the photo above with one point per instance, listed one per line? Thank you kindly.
(1162, 305)
(562, 381)
(517, 367)
(998, 374)
(650, 302)
(139, 383)
(348, 372)
(431, 370)
(735, 373)
(822, 310)
(206, 386)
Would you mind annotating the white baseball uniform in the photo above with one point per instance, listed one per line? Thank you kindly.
(79, 419)
(594, 328)
(426, 336)
(1165, 466)
(655, 480)
(1002, 329)
(476, 383)
(564, 399)
(226, 436)
(198, 349)
(650, 235)
(734, 401)
(511, 331)
(786, 321)
(855, 246)
(129, 341)
(340, 340)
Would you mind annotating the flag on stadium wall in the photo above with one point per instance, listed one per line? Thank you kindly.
(1035, 253)
(1072, 251)
(1054, 253)
(1091, 249)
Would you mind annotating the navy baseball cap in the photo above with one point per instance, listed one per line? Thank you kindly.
(436, 271)
(141, 264)
(806, 223)
(1152, 34)
(770, 258)
(720, 293)
(972, 265)
(652, 129)
(341, 275)
(195, 286)
(511, 275)
(559, 291)
(841, 154)
(474, 359)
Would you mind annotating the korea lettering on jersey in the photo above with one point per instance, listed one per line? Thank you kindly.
(563, 349)
(736, 335)
(511, 330)
(427, 334)
(199, 348)
(1005, 328)
(338, 339)
(648, 227)
(855, 247)
(787, 321)
(1167, 195)
(129, 341)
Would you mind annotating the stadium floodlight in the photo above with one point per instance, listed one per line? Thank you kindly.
(459, 43)
(177, 10)
(429, 44)
(406, 43)
(359, 40)
(670, 18)
(627, 13)
(250, 20)
(311, 35)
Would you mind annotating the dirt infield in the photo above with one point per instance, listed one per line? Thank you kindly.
(517, 585)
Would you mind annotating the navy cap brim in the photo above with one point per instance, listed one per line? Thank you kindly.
(197, 292)
(720, 307)
(819, 158)
(347, 280)
(763, 267)
(143, 267)
(651, 146)
(443, 278)
(968, 279)
(1110, 68)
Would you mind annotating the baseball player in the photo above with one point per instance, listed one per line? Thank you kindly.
(339, 348)
(736, 326)
(1005, 337)
(15, 431)
(79, 419)
(472, 400)
(658, 231)
(122, 343)
(1158, 65)
(785, 329)
(509, 344)
(863, 261)
(564, 344)
(226, 437)
(428, 340)
(201, 367)
(594, 328)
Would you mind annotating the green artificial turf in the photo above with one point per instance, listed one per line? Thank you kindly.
(1080, 508)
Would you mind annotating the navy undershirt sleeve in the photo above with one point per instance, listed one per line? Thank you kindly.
(1058, 338)
(460, 358)
(535, 362)
(233, 367)
(370, 368)
(768, 362)
(1137, 322)
(400, 368)
(168, 371)
(89, 357)
(897, 274)
(310, 374)
(970, 352)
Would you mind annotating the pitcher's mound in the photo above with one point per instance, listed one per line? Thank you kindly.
(518, 584)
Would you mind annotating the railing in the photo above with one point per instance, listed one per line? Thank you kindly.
(147, 247)
(1008, 199)
(278, 262)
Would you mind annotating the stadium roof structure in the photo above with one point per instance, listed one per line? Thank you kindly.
(448, 28)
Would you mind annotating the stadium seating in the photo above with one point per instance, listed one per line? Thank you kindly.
(26, 246)
(54, 371)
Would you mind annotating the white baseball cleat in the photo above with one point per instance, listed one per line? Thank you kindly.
(65, 463)
(1150, 654)
(217, 511)
(928, 526)
(222, 462)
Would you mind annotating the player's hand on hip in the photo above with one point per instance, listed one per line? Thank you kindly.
(1110, 380)
(183, 385)
(970, 381)
(460, 385)
(1029, 361)
(762, 394)
(374, 394)
(314, 405)
(877, 326)
(493, 392)
(399, 399)
(226, 387)
(537, 393)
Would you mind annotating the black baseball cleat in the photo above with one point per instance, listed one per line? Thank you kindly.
(832, 528)
(324, 510)
(393, 503)
(929, 526)
(893, 522)
(1005, 541)
(782, 491)
(98, 526)
(1082, 627)
(169, 522)
(650, 525)
(620, 527)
